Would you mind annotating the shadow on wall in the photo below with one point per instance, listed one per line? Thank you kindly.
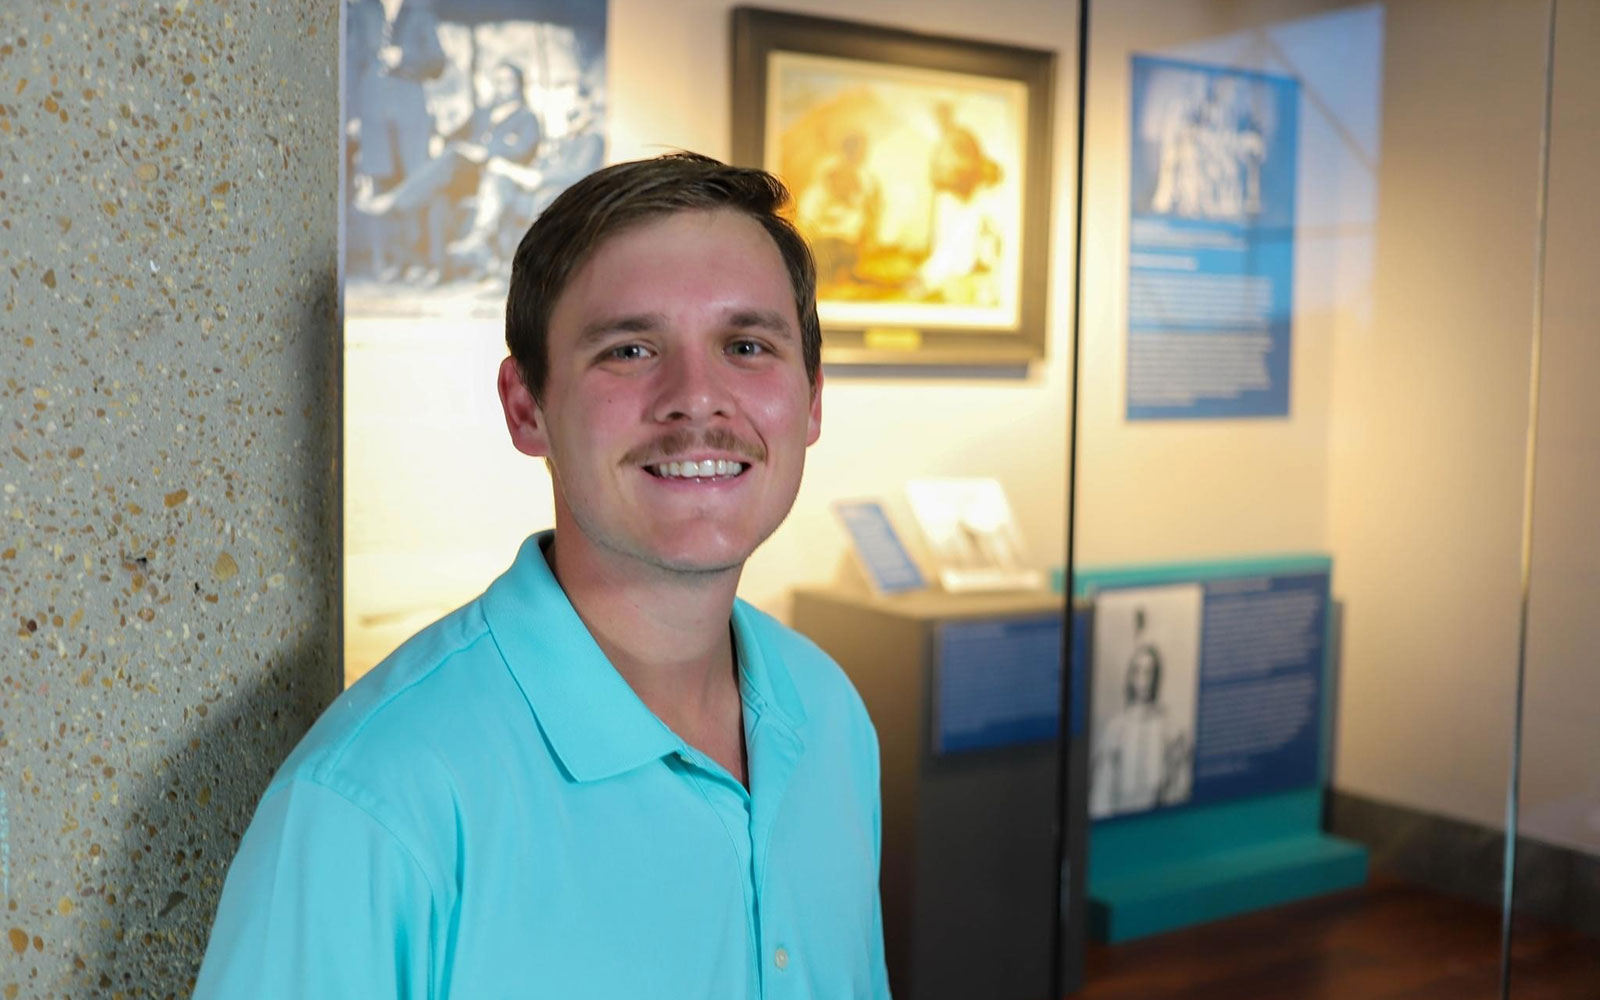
(164, 874)
(162, 871)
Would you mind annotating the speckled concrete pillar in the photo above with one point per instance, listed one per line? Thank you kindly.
(169, 403)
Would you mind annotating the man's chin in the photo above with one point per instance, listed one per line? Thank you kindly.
(685, 548)
(701, 560)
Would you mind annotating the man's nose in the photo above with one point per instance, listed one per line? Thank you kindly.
(693, 388)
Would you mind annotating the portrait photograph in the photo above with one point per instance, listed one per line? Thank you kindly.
(1146, 674)
(464, 119)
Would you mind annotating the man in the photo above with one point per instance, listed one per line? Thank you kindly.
(606, 777)
(1143, 758)
(839, 211)
(512, 194)
(966, 242)
(505, 131)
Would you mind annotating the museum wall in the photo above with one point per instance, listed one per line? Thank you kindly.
(1560, 754)
(1163, 491)
(1427, 455)
(1431, 431)
(169, 546)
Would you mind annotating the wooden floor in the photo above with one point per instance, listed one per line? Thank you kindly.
(1386, 941)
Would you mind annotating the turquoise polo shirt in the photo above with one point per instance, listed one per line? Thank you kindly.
(493, 813)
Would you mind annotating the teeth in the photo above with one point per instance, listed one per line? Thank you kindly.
(699, 470)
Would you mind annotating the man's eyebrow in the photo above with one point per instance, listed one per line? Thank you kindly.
(769, 320)
(608, 326)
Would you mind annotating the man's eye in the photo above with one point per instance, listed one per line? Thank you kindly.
(746, 348)
(628, 352)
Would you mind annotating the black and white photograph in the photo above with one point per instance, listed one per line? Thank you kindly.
(463, 120)
(1146, 674)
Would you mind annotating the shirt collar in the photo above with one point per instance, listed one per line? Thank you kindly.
(596, 724)
(764, 680)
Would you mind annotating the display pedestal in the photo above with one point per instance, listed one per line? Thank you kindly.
(971, 780)
(1162, 871)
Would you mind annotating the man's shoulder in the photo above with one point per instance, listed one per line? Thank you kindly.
(404, 709)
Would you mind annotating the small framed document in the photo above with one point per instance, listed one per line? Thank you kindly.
(883, 557)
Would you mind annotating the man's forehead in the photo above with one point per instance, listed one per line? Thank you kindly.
(663, 240)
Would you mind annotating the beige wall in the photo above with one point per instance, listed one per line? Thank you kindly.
(1161, 491)
(1429, 436)
(1561, 741)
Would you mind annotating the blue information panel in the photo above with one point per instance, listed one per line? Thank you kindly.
(1211, 241)
(881, 552)
(1259, 727)
(998, 683)
(1207, 690)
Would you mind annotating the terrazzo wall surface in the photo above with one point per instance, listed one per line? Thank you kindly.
(169, 406)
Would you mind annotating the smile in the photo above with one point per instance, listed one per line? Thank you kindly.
(706, 469)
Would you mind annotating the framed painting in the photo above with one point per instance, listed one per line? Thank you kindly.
(920, 170)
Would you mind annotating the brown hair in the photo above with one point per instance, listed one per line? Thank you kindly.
(614, 198)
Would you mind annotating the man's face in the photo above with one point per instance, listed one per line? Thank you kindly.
(677, 409)
(1142, 676)
(506, 85)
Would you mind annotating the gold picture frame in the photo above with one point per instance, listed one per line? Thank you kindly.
(921, 172)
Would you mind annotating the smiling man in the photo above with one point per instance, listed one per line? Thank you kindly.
(605, 777)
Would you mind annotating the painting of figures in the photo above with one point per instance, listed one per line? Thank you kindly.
(908, 184)
(919, 167)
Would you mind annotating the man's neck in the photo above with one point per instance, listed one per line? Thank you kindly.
(667, 634)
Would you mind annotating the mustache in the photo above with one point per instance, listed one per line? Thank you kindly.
(670, 446)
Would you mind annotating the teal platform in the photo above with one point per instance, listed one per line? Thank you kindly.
(1162, 871)
(1175, 868)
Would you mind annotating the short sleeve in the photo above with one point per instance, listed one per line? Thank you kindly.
(880, 968)
(322, 901)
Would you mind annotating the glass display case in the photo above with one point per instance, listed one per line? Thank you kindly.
(1332, 290)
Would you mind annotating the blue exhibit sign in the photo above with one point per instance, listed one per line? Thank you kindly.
(998, 682)
(1211, 241)
(881, 553)
(1259, 727)
(1207, 689)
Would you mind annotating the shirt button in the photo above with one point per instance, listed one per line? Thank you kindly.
(780, 958)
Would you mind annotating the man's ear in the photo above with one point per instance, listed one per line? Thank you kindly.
(524, 418)
(814, 424)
